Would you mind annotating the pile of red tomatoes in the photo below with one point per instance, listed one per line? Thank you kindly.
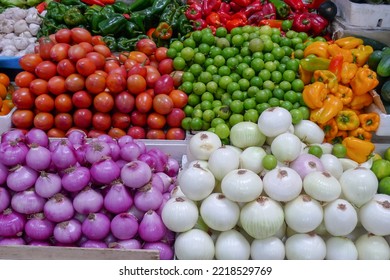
(74, 81)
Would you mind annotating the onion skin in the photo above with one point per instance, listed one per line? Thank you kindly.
(306, 163)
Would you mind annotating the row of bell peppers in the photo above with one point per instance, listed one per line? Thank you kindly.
(338, 90)
(236, 13)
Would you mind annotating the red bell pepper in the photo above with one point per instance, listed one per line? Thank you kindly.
(211, 5)
(242, 3)
(224, 17)
(318, 23)
(302, 22)
(41, 7)
(213, 19)
(93, 2)
(276, 23)
(225, 7)
(163, 31)
(269, 10)
(336, 65)
(315, 4)
(234, 22)
(252, 8)
(194, 12)
(199, 24)
(234, 7)
(296, 5)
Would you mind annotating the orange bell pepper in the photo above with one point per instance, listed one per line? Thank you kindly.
(317, 48)
(347, 120)
(305, 75)
(345, 94)
(334, 50)
(358, 102)
(330, 108)
(314, 94)
(327, 77)
(361, 54)
(348, 71)
(365, 80)
(369, 121)
(330, 129)
(361, 134)
(349, 42)
(357, 149)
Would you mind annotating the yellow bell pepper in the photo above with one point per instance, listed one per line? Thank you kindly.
(317, 48)
(358, 102)
(349, 42)
(330, 108)
(334, 49)
(361, 54)
(365, 80)
(340, 136)
(348, 71)
(305, 75)
(328, 78)
(361, 133)
(347, 120)
(314, 94)
(345, 94)
(369, 121)
(357, 149)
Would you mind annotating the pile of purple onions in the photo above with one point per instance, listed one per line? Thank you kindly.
(81, 192)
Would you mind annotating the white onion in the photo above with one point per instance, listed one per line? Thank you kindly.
(219, 212)
(241, 185)
(179, 214)
(332, 164)
(234, 148)
(326, 147)
(286, 147)
(359, 185)
(271, 248)
(303, 214)
(340, 217)
(246, 134)
(232, 245)
(340, 248)
(202, 144)
(375, 215)
(282, 184)
(309, 132)
(348, 163)
(372, 247)
(177, 192)
(281, 233)
(303, 246)
(196, 182)
(194, 244)
(222, 161)
(274, 121)
(251, 158)
(262, 217)
(322, 186)
(202, 163)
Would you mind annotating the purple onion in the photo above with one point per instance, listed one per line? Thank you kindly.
(80, 154)
(165, 250)
(172, 167)
(148, 198)
(94, 244)
(121, 163)
(67, 232)
(5, 199)
(3, 173)
(131, 244)
(157, 182)
(12, 241)
(39, 243)
(105, 138)
(96, 150)
(117, 199)
(11, 223)
(76, 137)
(167, 180)
(160, 157)
(38, 157)
(136, 212)
(151, 228)
(75, 178)
(37, 136)
(105, 171)
(115, 151)
(13, 153)
(169, 237)
(130, 151)
(124, 226)
(306, 163)
(96, 226)
(13, 135)
(27, 202)
(141, 145)
(135, 174)
(123, 140)
(64, 155)
(88, 201)
(148, 159)
(48, 184)
(58, 209)
(21, 178)
(110, 239)
(39, 228)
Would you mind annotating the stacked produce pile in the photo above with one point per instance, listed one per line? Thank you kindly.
(6, 90)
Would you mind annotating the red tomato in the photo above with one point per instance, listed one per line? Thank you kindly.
(146, 45)
(115, 82)
(152, 76)
(56, 85)
(98, 59)
(129, 63)
(63, 35)
(102, 49)
(44, 103)
(103, 102)
(101, 73)
(59, 51)
(165, 66)
(39, 86)
(63, 103)
(74, 82)
(30, 61)
(55, 133)
(24, 78)
(121, 120)
(66, 67)
(87, 46)
(44, 46)
(44, 121)
(162, 104)
(94, 133)
(137, 132)
(116, 133)
(175, 133)
(138, 118)
(164, 84)
(23, 98)
(179, 98)
(76, 52)
(140, 57)
(22, 119)
(124, 102)
(110, 65)
(144, 102)
(161, 53)
(63, 121)
(82, 99)
(101, 121)
(156, 134)
(177, 77)
(82, 118)
(139, 69)
(136, 84)
(175, 117)
(97, 40)
(95, 83)
(85, 66)
(156, 121)
(46, 69)
(81, 35)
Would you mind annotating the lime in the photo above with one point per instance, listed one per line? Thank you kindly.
(339, 150)
(381, 168)
(384, 186)
(386, 154)
(286, 25)
(269, 162)
(315, 150)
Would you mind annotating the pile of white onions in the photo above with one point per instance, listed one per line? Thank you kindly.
(79, 192)
(228, 206)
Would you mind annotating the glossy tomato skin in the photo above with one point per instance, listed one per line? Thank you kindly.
(101, 121)
(23, 98)
(22, 119)
(102, 49)
(156, 121)
(30, 61)
(88, 47)
(164, 85)
(85, 66)
(146, 45)
(124, 102)
(161, 53)
(98, 59)
(63, 35)
(103, 102)
(139, 69)
(76, 52)
(116, 133)
(82, 99)
(44, 46)
(44, 103)
(175, 133)
(136, 84)
(63, 103)
(44, 121)
(144, 102)
(59, 52)
(137, 132)
(24, 78)
(46, 69)
(81, 35)
(138, 118)
(39, 86)
(55, 133)
(95, 83)
(165, 66)
(63, 121)
(82, 118)
(121, 120)
(162, 104)
(175, 117)
(152, 76)
(140, 57)
(74, 82)
(156, 134)
(177, 77)
(65, 68)
(115, 82)
(179, 98)
(56, 85)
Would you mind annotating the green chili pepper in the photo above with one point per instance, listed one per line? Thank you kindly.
(132, 29)
(110, 42)
(108, 10)
(121, 7)
(159, 6)
(56, 11)
(142, 19)
(282, 9)
(71, 2)
(168, 13)
(112, 25)
(73, 17)
(139, 5)
(185, 26)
